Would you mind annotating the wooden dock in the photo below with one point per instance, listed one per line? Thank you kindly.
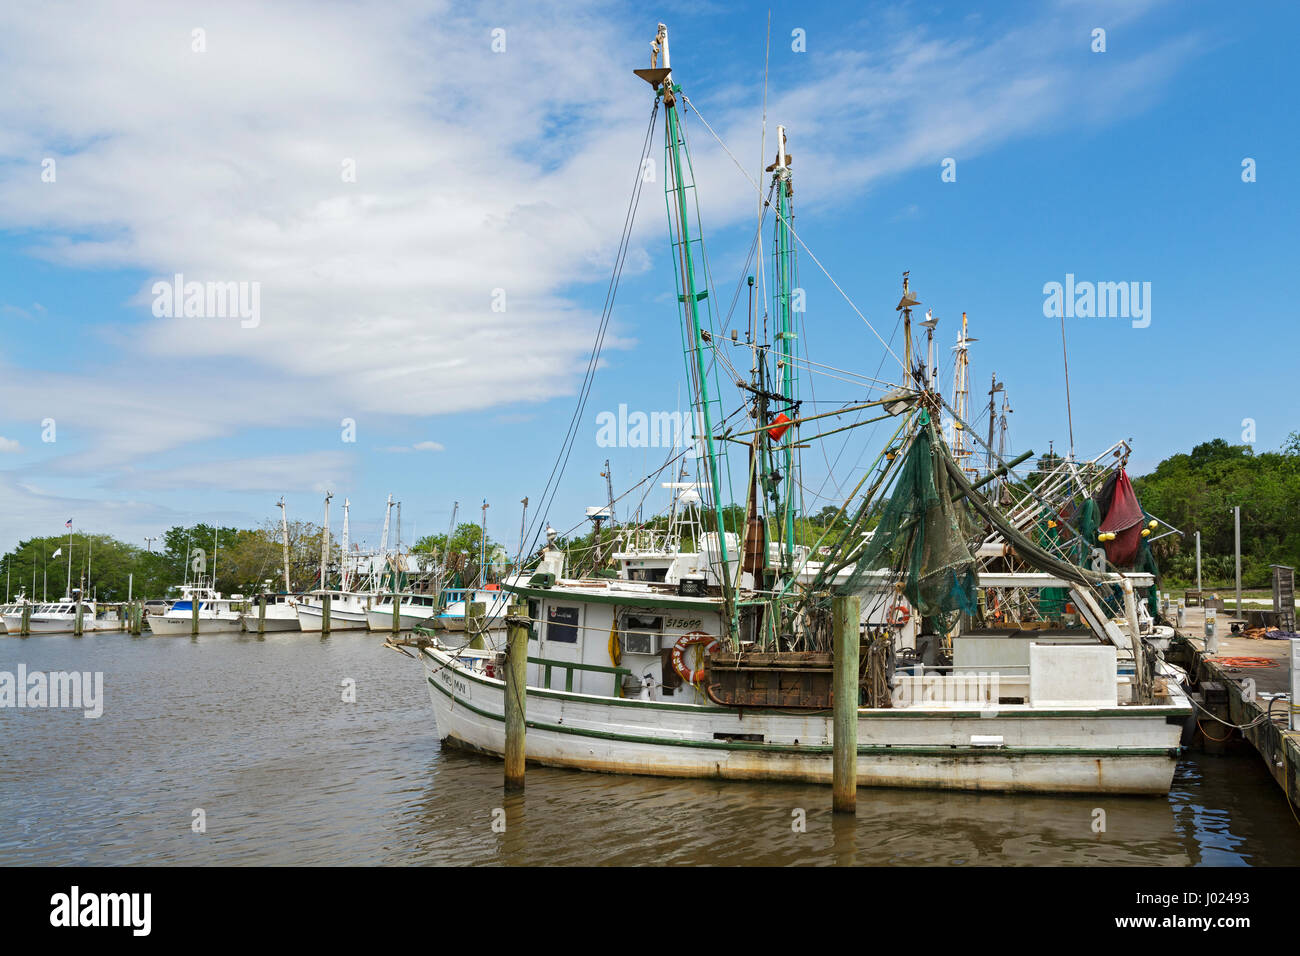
(1240, 684)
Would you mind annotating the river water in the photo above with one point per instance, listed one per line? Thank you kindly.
(254, 733)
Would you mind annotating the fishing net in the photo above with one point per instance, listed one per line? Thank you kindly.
(1026, 548)
(1123, 521)
(923, 537)
(1051, 601)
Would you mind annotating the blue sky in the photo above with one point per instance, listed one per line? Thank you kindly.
(472, 175)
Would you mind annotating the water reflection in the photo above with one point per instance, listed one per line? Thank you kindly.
(254, 731)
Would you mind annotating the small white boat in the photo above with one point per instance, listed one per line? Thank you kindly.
(217, 615)
(57, 618)
(347, 610)
(281, 615)
(14, 609)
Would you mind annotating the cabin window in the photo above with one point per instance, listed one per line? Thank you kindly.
(649, 574)
(562, 624)
(640, 633)
(634, 623)
(534, 609)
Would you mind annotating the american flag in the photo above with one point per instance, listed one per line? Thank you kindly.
(68, 523)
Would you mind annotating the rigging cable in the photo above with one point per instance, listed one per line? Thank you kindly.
(547, 497)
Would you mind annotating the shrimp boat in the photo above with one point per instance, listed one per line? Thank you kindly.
(447, 611)
(348, 610)
(714, 659)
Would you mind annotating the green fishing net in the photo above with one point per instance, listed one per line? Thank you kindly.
(923, 537)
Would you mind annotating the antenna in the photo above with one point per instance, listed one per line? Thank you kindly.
(1065, 360)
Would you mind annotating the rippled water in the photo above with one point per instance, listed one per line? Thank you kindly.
(254, 732)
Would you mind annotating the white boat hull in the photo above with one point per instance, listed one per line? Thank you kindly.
(277, 625)
(13, 624)
(341, 619)
(1079, 750)
(164, 625)
(382, 620)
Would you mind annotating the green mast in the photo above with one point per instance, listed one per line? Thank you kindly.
(692, 290)
(783, 290)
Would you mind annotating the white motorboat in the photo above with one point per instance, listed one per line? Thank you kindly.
(59, 617)
(217, 614)
(347, 610)
(281, 614)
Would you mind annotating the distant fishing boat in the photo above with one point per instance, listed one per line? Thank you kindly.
(726, 672)
(281, 614)
(348, 610)
(447, 610)
(13, 609)
(216, 614)
(59, 617)
(348, 607)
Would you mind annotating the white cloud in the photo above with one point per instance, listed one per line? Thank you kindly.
(475, 172)
(312, 471)
(9, 445)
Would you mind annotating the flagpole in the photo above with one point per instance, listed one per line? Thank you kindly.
(69, 559)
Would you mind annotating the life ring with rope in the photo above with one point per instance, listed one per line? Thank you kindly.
(709, 642)
(899, 615)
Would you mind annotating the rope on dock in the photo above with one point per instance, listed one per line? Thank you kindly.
(1243, 661)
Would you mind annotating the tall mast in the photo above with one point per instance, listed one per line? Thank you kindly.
(994, 387)
(383, 541)
(608, 475)
(932, 373)
(69, 591)
(284, 539)
(343, 558)
(783, 251)
(325, 542)
(961, 393)
(692, 290)
(482, 547)
(905, 304)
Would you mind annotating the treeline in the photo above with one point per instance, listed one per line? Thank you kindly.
(245, 560)
(1197, 492)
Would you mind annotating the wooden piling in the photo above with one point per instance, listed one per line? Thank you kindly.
(325, 615)
(78, 621)
(475, 614)
(261, 613)
(845, 612)
(26, 627)
(194, 615)
(397, 613)
(516, 695)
